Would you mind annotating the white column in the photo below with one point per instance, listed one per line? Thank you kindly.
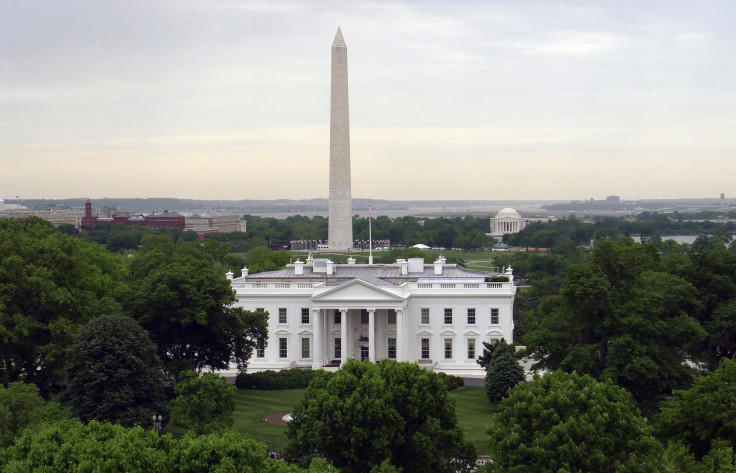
(400, 342)
(372, 335)
(343, 336)
(318, 352)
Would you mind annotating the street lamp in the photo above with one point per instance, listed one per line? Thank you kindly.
(157, 422)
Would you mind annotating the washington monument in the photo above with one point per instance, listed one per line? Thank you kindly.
(340, 225)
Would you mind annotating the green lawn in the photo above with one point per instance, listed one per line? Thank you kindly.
(252, 406)
(474, 413)
(472, 406)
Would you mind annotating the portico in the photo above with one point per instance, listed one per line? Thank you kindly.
(357, 320)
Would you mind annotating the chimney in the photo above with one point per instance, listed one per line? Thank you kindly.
(351, 260)
(298, 267)
(330, 267)
(244, 271)
(404, 266)
(438, 266)
(229, 275)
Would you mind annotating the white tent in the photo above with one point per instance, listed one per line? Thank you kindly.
(421, 246)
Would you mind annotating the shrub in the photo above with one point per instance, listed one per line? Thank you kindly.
(271, 380)
(453, 382)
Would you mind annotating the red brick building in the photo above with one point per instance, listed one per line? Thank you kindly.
(166, 220)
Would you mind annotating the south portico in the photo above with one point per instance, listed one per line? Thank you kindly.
(358, 320)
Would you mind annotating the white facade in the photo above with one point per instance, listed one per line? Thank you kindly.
(321, 314)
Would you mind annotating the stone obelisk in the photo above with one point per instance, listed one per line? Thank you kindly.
(340, 225)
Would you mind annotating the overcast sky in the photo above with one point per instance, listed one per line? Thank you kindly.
(448, 99)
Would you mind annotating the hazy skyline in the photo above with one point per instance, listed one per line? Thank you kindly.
(448, 100)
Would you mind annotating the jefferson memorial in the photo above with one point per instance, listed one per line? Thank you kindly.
(507, 221)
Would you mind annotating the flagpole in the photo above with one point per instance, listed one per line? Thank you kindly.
(370, 236)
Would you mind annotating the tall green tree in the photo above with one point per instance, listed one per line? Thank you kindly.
(571, 423)
(203, 404)
(619, 317)
(704, 413)
(367, 416)
(50, 285)
(20, 406)
(185, 305)
(503, 370)
(114, 373)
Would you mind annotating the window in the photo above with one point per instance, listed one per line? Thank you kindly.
(494, 316)
(338, 348)
(471, 316)
(363, 316)
(425, 316)
(425, 348)
(391, 317)
(305, 316)
(338, 317)
(448, 316)
(305, 348)
(392, 348)
(260, 309)
(283, 352)
(261, 348)
(448, 348)
(282, 315)
(471, 349)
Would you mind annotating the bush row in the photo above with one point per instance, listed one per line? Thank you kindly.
(270, 380)
(452, 381)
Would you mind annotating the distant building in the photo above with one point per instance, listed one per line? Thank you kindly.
(213, 221)
(613, 200)
(54, 216)
(507, 221)
(157, 221)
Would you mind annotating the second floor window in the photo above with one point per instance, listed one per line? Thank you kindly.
(471, 316)
(305, 316)
(448, 316)
(282, 315)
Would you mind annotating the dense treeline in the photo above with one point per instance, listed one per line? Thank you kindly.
(623, 328)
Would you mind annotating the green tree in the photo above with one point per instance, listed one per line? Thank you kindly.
(203, 404)
(72, 446)
(20, 406)
(503, 371)
(704, 413)
(185, 305)
(50, 285)
(619, 317)
(366, 415)
(114, 373)
(571, 423)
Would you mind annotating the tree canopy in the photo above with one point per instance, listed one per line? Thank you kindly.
(72, 446)
(366, 415)
(571, 423)
(703, 413)
(503, 371)
(20, 406)
(619, 317)
(203, 404)
(114, 373)
(50, 285)
(184, 303)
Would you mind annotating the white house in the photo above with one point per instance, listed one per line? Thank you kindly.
(322, 313)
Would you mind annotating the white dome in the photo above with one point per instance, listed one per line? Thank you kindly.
(508, 213)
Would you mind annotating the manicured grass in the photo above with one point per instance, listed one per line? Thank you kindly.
(252, 406)
(474, 413)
